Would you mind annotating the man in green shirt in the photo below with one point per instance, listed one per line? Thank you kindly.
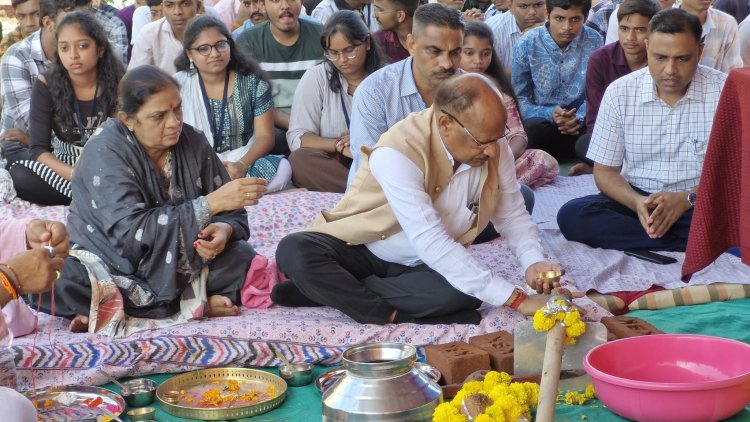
(286, 47)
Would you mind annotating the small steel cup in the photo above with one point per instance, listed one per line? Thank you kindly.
(142, 414)
(140, 392)
(297, 374)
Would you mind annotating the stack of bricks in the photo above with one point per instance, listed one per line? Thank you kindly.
(625, 326)
(458, 360)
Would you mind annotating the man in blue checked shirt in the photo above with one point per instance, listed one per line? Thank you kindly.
(549, 73)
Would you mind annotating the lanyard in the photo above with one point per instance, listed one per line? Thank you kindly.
(343, 108)
(79, 117)
(215, 130)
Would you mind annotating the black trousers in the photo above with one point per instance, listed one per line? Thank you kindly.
(545, 135)
(582, 148)
(364, 287)
(226, 276)
(14, 151)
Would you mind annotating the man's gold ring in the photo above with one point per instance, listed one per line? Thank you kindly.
(57, 275)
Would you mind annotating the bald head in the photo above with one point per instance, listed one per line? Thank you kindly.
(459, 94)
(471, 119)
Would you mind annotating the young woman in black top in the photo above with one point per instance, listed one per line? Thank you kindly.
(67, 105)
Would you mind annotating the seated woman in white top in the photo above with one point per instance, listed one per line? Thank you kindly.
(318, 133)
(226, 95)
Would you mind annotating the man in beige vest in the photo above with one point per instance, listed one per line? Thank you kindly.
(394, 248)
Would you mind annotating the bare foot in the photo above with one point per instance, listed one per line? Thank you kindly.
(579, 169)
(79, 324)
(219, 306)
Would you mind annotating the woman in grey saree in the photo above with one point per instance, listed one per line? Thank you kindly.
(155, 213)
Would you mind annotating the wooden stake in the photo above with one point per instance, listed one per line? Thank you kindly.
(545, 411)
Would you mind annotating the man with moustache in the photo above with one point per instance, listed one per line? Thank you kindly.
(160, 43)
(286, 47)
(393, 250)
(548, 74)
(251, 13)
(658, 121)
(507, 28)
(612, 62)
(388, 95)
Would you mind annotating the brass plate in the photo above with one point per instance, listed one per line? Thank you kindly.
(258, 379)
(68, 403)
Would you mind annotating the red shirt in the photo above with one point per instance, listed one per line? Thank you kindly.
(388, 41)
(605, 65)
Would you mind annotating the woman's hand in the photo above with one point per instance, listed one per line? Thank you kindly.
(342, 143)
(236, 194)
(36, 270)
(236, 169)
(40, 233)
(212, 240)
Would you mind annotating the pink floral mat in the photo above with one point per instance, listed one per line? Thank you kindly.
(316, 335)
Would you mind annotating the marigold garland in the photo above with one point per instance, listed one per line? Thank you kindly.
(511, 400)
(545, 319)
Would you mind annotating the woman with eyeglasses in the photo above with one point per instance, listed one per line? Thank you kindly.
(318, 133)
(533, 167)
(227, 96)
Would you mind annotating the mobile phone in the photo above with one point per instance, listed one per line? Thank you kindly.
(651, 256)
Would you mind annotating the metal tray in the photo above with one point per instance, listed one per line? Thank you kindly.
(67, 403)
(259, 380)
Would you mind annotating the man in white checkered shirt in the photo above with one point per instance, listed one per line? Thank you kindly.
(649, 144)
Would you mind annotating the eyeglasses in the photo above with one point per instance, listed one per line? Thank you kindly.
(481, 145)
(205, 49)
(349, 52)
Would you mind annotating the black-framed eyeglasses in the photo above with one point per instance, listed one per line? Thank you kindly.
(481, 145)
(205, 49)
(349, 52)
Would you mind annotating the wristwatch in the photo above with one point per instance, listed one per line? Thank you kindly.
(692, 196)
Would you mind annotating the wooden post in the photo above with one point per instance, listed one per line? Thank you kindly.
(545, 411)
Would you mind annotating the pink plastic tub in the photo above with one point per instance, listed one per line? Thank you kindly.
(671, 377)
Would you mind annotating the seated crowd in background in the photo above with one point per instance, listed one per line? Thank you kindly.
(256, 81)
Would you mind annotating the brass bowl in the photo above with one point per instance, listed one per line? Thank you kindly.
(142, 414)
(165, 393)
(550, 276)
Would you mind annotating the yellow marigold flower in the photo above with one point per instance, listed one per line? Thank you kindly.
(492, 379)
(542, 322)
(484, 418)
(590, 392)
(447, 413)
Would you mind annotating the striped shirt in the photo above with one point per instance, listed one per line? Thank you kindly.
(19, 68)
(663, 147)
(285, 65)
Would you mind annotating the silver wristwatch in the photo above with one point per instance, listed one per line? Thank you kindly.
(692, 196)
